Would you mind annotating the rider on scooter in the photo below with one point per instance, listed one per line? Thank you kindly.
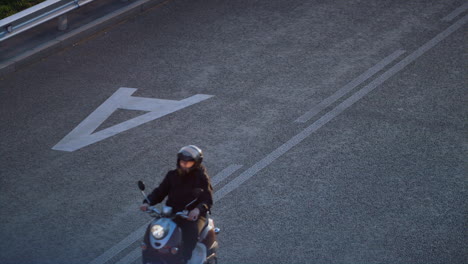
(179, 186)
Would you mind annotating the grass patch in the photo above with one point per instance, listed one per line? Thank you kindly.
(10, 7)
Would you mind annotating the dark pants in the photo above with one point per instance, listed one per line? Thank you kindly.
(190, 232)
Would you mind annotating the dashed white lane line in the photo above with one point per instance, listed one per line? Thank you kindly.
(224, 174)
(456, 12)
(348, 87)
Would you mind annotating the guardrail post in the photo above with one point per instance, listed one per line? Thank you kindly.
(62, 22)
(38, 14)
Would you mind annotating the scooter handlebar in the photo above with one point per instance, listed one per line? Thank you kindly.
(182, 214)
(153, 210)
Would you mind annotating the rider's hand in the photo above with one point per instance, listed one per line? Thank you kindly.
(144, 207)
(193, 215)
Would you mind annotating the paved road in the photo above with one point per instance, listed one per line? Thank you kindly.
(377, 175)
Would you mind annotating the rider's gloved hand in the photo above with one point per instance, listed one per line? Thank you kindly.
(144, 207)
(193, 215)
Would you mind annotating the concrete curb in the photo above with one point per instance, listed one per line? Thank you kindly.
(68, 39)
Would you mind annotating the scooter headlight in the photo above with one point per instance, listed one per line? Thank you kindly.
(158, 231)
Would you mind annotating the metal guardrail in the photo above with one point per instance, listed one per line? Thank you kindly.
(37, 15)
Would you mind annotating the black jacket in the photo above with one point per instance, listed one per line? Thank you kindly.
(180, 190)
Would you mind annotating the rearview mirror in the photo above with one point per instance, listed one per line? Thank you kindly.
(141, 185)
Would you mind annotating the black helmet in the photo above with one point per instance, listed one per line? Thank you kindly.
(190, 153)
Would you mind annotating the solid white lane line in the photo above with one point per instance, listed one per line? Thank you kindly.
(348, 87)
(336, 111)
(456, 12)
(138, 234)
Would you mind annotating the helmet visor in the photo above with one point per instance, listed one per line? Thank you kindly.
(185, 156)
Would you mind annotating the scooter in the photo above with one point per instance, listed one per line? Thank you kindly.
(162, 243)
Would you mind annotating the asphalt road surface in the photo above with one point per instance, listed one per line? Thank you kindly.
(334, 131)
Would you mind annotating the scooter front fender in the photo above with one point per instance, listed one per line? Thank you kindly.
(159, 251)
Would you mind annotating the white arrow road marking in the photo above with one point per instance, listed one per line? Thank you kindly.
(83, 134)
